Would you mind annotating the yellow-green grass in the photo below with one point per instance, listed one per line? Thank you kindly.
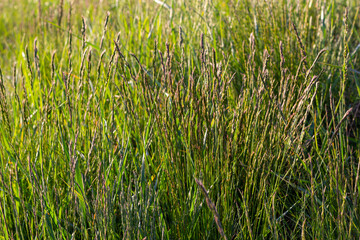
(182, 120)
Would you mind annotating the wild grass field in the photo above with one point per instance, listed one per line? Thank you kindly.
(137, 119)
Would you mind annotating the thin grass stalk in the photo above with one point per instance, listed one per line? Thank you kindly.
(83, 33)
(3, 210)
(212, 207)
(37, 60)
(60, 11)
(105, 29)
(3, 104)
(303, 52)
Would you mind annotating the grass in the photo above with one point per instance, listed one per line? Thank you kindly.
(190, 120)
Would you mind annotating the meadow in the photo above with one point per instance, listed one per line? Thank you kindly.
(183, 119)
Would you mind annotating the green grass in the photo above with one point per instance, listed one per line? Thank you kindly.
(194, 120)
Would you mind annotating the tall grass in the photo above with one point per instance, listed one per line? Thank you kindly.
(190, 120)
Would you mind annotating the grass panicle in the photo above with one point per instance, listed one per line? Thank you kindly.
(115, 116)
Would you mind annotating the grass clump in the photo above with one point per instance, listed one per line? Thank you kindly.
(214, 119)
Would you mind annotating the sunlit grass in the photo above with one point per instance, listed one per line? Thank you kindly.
(190, 120)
